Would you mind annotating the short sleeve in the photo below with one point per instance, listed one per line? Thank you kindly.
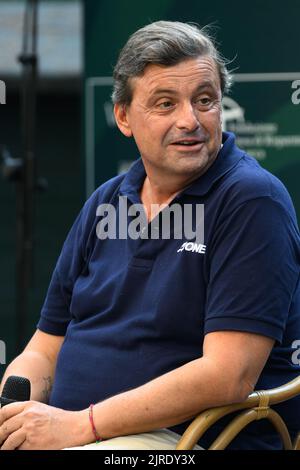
(55, 313)
(253, 269)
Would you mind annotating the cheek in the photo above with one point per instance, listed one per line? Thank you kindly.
(153, 131)
(214, 122)
(145, 137)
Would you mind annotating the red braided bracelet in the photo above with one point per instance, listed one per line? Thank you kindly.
(98, 438)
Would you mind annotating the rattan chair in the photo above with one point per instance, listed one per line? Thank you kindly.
(257, 406)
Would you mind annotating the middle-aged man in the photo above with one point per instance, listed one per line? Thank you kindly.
(153, 330)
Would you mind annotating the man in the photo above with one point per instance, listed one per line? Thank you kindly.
(155, 330)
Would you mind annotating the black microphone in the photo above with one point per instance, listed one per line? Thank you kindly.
(15, 389)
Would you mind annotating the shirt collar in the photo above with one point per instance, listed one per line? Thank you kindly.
(228, 157)
(133, 181)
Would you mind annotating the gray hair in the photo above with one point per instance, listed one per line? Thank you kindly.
(164, 43)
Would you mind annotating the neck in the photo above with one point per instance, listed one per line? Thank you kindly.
(156, 194)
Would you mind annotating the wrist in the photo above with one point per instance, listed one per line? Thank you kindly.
(91, 418)
(84, 430)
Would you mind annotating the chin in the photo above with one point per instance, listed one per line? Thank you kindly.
(190, 165)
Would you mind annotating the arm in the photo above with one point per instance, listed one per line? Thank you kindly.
(227, 373)
(37, 362)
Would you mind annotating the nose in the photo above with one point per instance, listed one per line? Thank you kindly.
(187, 118)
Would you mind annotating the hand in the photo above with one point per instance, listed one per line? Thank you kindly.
(31, 425)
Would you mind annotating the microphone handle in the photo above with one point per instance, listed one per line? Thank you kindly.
(6, 401)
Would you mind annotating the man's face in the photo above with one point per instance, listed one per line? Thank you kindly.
(175, 117)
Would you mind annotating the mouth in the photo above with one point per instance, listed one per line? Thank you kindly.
(188, 145)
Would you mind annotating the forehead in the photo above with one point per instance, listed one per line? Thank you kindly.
(185, 75)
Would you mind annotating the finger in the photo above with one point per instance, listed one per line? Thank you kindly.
(11, 410)
(15, 440)
(9, 426)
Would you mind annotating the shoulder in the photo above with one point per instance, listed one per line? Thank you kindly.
(87, 218)
(105, 193)
(249, 181)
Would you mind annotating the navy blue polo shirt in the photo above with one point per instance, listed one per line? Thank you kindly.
(134, 309)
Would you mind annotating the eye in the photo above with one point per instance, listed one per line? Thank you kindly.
(204, 101)
(165, 104)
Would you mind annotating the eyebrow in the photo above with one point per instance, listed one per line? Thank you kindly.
(170, 91)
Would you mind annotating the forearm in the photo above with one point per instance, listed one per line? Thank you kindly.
(168, 400)
(38, 369)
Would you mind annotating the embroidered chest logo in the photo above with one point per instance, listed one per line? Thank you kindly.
(194, 247)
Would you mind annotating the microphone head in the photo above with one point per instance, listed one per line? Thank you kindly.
(16, 388)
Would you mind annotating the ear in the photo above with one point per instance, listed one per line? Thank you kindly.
(121, 117)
